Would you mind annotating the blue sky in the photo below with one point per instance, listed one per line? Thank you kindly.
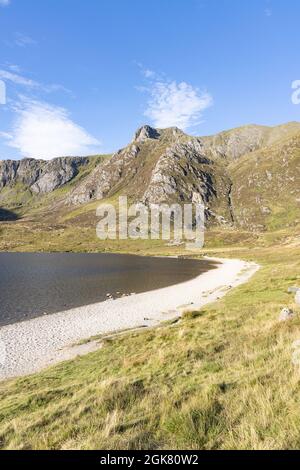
(82, 75)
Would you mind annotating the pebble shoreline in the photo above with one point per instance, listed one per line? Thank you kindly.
(33, 345)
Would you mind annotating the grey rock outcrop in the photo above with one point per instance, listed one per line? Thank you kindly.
(106, 176)
(184, 173)
(293, 290)
(40, 176)
(286, 314)
(25, 171)
(183, 170)
(57, 173)
(234, 144)
(146, 132)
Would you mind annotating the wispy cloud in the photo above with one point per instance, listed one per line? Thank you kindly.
(268, 11)
(6, 135)
(45, 131)
(12, 76)
(173, 103)
(14, 68)
(18, 79)
(4, 3)
(22, 40)
(147, 73)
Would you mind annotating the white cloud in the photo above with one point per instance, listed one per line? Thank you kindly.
(176, 104)
(4, 3)
(268, 12)
(45, 131)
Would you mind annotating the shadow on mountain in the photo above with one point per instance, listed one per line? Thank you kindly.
(7, 216)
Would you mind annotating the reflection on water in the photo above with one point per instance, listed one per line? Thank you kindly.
(32, 284)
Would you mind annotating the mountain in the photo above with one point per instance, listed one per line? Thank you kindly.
(247, 177)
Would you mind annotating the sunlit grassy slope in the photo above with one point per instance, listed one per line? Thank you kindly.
(221, 378)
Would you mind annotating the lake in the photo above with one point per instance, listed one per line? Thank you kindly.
(34, 284)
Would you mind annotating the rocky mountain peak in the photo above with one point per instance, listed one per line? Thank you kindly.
(145, 133)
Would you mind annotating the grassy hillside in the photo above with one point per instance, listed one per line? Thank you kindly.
(266, 186)
(221, 378)
(234, 143)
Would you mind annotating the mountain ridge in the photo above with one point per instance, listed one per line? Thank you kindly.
(236, 174)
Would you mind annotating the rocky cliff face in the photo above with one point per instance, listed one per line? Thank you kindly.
(184, 173)
(106, 177)
(57, 173)
(40, 176)
(25, 171)
(247, 177)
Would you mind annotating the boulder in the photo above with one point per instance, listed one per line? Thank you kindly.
(293, 290)
(286, 314)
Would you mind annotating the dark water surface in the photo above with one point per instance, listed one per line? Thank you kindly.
(32, 284)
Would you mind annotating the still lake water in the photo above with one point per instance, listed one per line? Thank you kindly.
(32, 284)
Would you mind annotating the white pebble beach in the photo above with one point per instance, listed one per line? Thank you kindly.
(33, 345)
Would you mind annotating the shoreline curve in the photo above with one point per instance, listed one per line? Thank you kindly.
(36, 344)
